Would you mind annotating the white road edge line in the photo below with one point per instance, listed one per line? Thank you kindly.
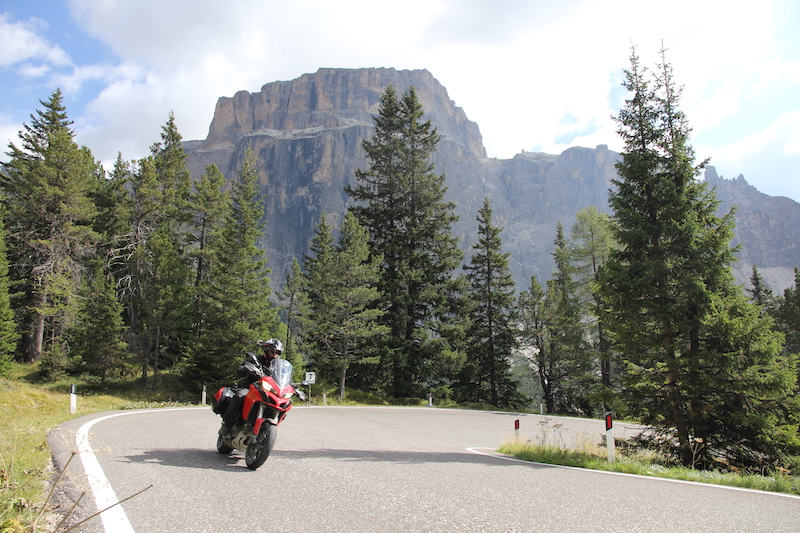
(654, 478)
(114, 518)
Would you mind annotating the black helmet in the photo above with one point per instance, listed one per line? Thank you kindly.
(271, 345)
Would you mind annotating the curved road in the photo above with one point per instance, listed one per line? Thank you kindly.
(337, 469)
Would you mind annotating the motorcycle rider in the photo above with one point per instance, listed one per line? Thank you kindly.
(251, 370)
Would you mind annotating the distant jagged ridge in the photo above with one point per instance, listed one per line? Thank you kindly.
(307, 134)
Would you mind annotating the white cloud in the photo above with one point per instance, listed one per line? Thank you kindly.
(768, 159)
(534, 75)
(21, 42)
(9, 130)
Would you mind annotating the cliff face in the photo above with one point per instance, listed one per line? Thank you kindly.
(307, 135)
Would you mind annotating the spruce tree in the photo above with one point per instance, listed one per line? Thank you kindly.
(239, 311)
(400, 201)
(140, 213)
(211, 204)
(760, 293)
(702, 365)
(318, 265)
(295, 305)
(491, 336)
(47, 188)
(344, 283)
(590, 244)
(97, 339)
(9, 336)
(553, 337)
(787, 315)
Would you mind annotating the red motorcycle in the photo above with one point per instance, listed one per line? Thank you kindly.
(265, 406)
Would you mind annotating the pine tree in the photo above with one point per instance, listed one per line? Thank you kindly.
(344, 281)
(97, 339)
(295, 305)
(400, 201)
(760, 293)
(491, 336)
(174, 178)
(9, 336)
(787, 314)
(319, 281)
(239, 310)
(702, 364)
(140, 213)
(47, 188)
(590, 244)
(211, 206)
(553, 336)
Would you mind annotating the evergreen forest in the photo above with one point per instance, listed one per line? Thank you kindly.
(139, 271)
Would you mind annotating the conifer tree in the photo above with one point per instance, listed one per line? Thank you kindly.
(295, 305)
(150, 257)
(344, 317)
(212, 205)
(400, 201)
(8, 327)
(140, 212)
(702, 365)
(553, 336)
(760, 293)
(787, 315)
(319, 285)
(97, 339)
(47, 188)
(491, 336)
(590, 243)
(239, 311)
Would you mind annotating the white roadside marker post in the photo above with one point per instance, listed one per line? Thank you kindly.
(73, 399)
(610, 437)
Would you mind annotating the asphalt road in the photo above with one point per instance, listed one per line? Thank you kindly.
(384, 470)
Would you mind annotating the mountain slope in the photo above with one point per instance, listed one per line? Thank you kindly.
(307, 135)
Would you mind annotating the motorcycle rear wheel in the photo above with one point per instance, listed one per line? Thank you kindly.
(222, 447)
(260, 446)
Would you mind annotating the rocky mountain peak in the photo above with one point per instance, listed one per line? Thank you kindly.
(307, 135)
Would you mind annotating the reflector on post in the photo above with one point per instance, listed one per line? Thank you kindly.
(610, 443)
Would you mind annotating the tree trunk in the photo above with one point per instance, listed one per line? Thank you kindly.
(32, 340)
(342, 377)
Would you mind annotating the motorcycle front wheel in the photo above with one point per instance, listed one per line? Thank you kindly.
(260, 447)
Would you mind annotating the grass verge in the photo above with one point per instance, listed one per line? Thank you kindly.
(28, 412)
(644, 463)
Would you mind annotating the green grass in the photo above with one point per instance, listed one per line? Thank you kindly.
(645, 463)
(29, 410)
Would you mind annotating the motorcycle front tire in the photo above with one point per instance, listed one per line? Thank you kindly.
(260, 447)
(222, 447)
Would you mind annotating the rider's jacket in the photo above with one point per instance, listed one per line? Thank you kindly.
(250, 371)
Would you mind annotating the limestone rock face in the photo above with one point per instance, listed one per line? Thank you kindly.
(307, 136)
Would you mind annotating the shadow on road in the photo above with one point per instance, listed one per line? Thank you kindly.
(393, 456)
(210, 459)
(205, 458)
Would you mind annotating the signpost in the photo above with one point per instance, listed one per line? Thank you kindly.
(311, 377)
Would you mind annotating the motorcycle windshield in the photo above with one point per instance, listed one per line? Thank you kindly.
(281, 372)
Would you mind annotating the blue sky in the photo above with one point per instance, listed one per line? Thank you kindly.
(535, 75)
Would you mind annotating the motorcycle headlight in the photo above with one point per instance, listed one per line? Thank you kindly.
(287, 395)
(267, 386)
